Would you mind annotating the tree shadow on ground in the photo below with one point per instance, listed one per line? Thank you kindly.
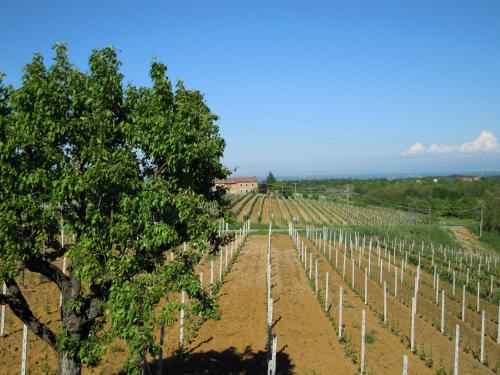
(228, 362)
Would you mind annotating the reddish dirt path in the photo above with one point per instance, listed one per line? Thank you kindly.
(265, 211)
(293, 210)
(254, 217)
(299, 214)
(427, 336)
(385, 354)
(304, 332)
(245, 208)
(276, 213)
(300, 208)
(284, 210)
(235, 343)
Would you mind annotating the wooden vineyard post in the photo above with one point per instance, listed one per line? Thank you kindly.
(341, 296)
(405, 364)
(363, 331)
(2, 317)
(385, 303)
(24, 350)
(482, 337)
(336, 257)
(201, 278)
(366, 286)
(181, 334)
(326, 292)
(442, 312)
(463, 303)
(457, 343)
(412, 333)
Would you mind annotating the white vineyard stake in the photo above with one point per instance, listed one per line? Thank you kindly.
(498, 323)
(363, 329)
(341, 295)
(212, 272)
(181, 333)
(412, 335)
(316, 276)
(343, 266)
(326, 292)
(396, 282)
(463, 304)
(405, 364)
(482, 337)
(442, 312)
(453, 288)
(2, 317)
(385, 303)
(437, 289)
(457, 342)
(366, 286)
(352, 271)
(24, 350)
(477, 300)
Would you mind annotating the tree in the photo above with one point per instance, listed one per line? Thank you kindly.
(130, 171)
(270, 181)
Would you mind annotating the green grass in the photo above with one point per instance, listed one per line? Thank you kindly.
(490, 240)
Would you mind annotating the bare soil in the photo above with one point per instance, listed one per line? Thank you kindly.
(304, 333)
(384, 350)
(428, 338)
(237, 342)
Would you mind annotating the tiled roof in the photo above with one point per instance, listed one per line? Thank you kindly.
(237, 180)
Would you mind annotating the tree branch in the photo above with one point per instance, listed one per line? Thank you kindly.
(47, 269)
(57, 251)
(21, 309)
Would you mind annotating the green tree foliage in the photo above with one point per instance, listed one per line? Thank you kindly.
(270, 180)
(130, 170)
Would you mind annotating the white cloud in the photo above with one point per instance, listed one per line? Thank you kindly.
(485, 142)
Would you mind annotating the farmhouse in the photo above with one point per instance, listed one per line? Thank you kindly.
(238, 185)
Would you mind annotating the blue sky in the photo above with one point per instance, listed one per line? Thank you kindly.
(310, 87)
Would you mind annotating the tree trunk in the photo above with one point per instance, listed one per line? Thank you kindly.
(69, 365)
